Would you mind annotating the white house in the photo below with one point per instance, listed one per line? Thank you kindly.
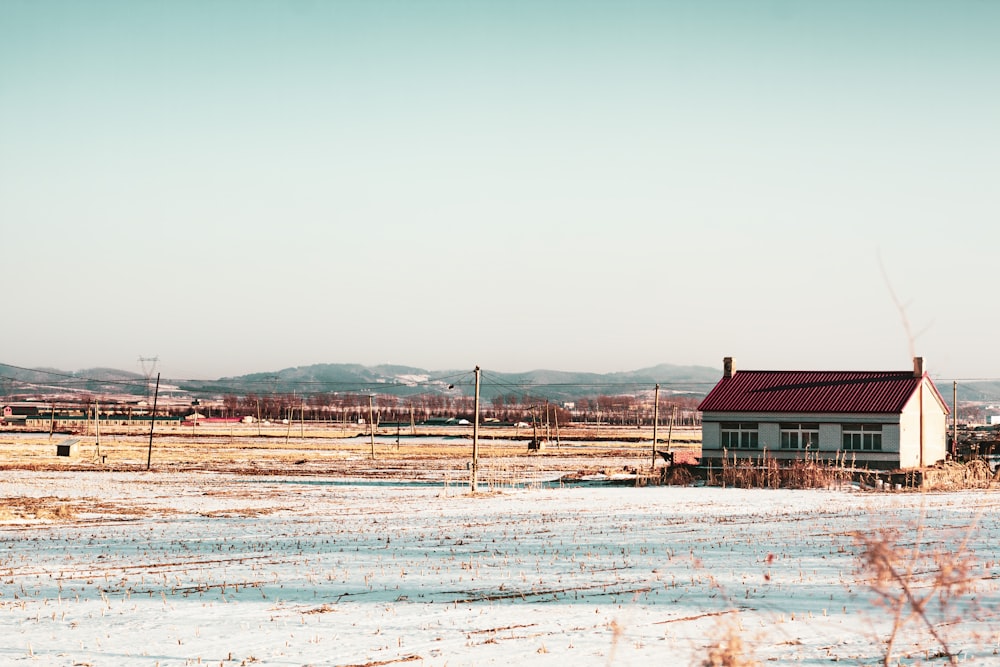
(881, 420)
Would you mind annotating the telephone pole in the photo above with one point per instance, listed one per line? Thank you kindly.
(152, 422)
(474, 471)
(656, 419)
(371, 423)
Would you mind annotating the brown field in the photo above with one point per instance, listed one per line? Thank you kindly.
(424, 453)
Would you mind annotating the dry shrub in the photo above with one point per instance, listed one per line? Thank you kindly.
(906, 581)
(64, 512)
(813, 474)
(729, 651)
(677, 476)
(766, 472)
(45, 508)
(57, 512)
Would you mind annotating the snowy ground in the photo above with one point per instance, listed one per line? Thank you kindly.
(205, 568)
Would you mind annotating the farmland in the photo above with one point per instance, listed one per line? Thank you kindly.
(258, 550)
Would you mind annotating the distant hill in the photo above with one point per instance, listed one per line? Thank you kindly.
(51, 381)
(410, 381)
(398, 381)
(355, 378)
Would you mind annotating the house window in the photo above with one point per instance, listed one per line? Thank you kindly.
(739, 435)
(800, 436)
(863, 437)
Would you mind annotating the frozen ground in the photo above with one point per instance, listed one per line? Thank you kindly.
(206, 568)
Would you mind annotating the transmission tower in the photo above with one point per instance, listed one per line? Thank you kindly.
(148, 368)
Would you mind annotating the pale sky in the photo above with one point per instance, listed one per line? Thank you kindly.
(585, 186)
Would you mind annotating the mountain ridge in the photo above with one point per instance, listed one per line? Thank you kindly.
(394, 379)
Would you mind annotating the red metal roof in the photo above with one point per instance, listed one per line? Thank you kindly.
(815, 391)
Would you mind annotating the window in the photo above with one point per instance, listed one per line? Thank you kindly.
(739, 435)
(863, 437)
(800, 436)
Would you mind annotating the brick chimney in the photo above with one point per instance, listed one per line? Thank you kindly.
(918, 367)
(728, 367)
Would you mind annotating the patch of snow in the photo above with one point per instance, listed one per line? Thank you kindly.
(173, 569)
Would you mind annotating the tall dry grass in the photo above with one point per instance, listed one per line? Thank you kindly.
(766, 472)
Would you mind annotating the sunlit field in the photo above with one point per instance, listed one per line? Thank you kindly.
(310, 552)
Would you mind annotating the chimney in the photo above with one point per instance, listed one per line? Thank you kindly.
(728, 367)
(918, 367)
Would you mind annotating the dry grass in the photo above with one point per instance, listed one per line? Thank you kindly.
(502, 462)
(906, 581)
(729, 650)
(922, 586)
(766, 472)
(45, 509)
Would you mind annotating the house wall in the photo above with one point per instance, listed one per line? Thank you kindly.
(928, 425)
(830, 436)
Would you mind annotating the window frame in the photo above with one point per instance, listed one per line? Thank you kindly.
(863, 437)
(799, 436)
(746, 434)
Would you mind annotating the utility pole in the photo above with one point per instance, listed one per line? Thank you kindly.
(548, 432)
(954, 417)
(475, 439)
(152, 422)
(97, 426)
(670, 431)
(656, 420)
(371, 423)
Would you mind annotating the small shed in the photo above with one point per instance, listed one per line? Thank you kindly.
(68, 447)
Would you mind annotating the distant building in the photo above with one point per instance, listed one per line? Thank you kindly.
(876, 419)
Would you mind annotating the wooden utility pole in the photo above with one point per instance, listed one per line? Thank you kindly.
(97, 427)
(548, 432)
(371, 423)
(474, 470)
(152, 422)
(656, 420)
(670, 430)
(954, 417)
(921, 423)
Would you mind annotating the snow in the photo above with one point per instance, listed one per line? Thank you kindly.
(208, 568)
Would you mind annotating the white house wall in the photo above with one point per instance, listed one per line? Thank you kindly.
(830, 434)
(931, 424)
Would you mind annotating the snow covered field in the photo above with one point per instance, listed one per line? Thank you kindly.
(206, 568)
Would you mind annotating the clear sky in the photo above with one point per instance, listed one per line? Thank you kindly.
(590, 186)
